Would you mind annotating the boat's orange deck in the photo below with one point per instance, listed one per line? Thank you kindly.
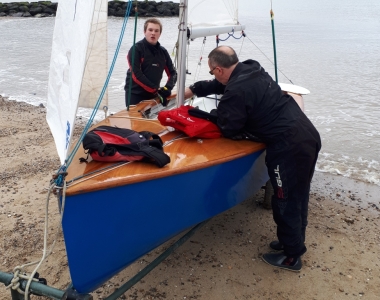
(186, 154)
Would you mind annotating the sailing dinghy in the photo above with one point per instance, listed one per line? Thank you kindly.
(115, 213)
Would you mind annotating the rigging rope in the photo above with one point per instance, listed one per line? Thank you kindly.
(15, 284)
(266, 56)
(223, 40)
(230, 35)
(198, 69)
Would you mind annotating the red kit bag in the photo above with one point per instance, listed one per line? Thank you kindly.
(112, 144)
(180, 119)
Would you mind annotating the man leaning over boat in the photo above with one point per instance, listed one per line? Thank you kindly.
(252, 102)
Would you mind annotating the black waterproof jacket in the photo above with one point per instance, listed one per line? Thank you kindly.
(150, 61)
(252, 102)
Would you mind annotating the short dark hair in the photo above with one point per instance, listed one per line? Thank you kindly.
(154, 21)
(223, 56)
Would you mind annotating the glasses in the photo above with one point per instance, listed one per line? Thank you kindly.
(212, 71)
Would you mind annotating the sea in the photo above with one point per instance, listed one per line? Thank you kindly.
(332, 48)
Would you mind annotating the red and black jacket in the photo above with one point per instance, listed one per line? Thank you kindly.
(150, 61)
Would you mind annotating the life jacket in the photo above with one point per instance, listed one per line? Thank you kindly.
(113, 144)
(181, 119)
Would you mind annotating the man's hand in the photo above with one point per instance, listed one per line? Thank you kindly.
(164, 92)
(162, 95)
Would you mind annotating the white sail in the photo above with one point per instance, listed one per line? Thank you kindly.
(204, 13)
(96, 63)
(213, 17)
(74, 50)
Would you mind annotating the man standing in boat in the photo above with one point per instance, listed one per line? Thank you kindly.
(147, 61)
(252, 103)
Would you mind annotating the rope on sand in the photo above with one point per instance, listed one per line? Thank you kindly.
(15, 283)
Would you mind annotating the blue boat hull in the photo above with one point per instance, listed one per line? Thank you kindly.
(107, 230)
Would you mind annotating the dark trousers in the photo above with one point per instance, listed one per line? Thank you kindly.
(291, 162)
(137, 98)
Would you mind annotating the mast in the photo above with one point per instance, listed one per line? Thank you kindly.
(182, 40)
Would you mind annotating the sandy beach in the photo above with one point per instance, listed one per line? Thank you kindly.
(221, 261)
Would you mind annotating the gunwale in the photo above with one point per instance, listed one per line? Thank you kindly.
(186, 154)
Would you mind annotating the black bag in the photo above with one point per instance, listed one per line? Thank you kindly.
(212, 116)
(112, 144)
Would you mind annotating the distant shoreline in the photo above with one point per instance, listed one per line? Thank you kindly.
(115, 8)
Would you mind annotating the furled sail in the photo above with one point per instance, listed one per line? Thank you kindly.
(78, 65)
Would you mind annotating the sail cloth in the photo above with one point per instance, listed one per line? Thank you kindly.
(79, 43)
(213, 17)
(204, 13)
(96, 69)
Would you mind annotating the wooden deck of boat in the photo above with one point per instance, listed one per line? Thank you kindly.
(186, 154)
